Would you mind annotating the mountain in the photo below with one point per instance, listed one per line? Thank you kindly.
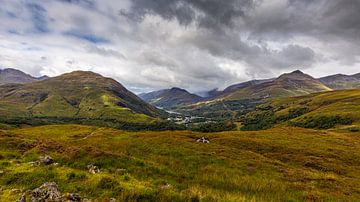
(341, 81)
(170, 98)
(16, 76)
(246, 84)
(291, 84)
(78, 94)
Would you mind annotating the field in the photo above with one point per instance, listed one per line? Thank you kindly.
(279, 164)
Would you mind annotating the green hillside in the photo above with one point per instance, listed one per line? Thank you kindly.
(281, 164)
(319, 110)
(76, 95)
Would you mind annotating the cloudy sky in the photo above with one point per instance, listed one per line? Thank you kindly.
(193, 44)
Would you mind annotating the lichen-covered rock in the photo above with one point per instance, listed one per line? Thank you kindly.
(93, 169)
(46, 160)
(46, 193)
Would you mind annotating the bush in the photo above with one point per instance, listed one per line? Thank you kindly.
(259, 120)
(214, 127)
(293, 113)
(323, 122)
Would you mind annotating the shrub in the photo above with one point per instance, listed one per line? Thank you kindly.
(259, 120)
(214, 127)
(293, 113)
(323, 122)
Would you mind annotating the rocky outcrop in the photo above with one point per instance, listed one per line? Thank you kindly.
(93, 169)
(49, 192)
(46, 192)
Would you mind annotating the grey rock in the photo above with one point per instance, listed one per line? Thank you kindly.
(46, 160)
(203, 140)
(47, 192)
(93, 169)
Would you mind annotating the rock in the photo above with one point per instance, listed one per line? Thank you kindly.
(1, 172)
(203, 140)
(74, 197)
(46, 160)
(46, 192)
(93, 169)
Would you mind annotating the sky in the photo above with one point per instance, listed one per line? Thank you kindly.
(198, 45)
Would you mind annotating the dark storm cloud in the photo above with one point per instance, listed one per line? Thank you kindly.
(320, 18)
(194, 44)
(209, 14)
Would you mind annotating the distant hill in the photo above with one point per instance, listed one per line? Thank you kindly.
(243, 85)
(341, 81)
(317, 110)
(16, 76)
(291, 84)
(170, 98)
(76, 94)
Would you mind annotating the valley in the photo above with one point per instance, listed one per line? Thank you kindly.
(291, 138)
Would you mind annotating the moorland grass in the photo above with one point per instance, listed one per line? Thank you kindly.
(279, 164)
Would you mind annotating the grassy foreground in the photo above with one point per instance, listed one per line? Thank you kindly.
(280, 164)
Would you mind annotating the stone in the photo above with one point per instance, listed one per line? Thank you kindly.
(47, 192)
(203, 140)
(46, 160)
(74, 197)
(93, 169)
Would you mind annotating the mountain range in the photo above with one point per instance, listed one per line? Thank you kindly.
(82, 94)
(295, 83)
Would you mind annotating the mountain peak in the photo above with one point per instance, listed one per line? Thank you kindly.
(10, 75)
(297, 72)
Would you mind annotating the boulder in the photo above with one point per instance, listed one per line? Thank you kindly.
(203, 140)
(93, 169)
(46, 192)
(46, 160)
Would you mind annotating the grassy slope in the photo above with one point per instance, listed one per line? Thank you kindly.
(281, 164)
(345, 103)
(76, 94)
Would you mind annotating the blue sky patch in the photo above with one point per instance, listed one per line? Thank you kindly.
(87, 37)
(39, 18)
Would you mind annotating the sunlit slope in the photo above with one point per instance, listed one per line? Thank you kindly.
(287, 85)
(344, 104)
(76, 94)
(280, 164)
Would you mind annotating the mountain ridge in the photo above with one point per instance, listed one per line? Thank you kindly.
(168, 98)
(10, 75)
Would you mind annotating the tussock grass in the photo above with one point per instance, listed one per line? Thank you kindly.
(279, 164)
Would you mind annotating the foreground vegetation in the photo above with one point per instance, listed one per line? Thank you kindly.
(280, 164)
